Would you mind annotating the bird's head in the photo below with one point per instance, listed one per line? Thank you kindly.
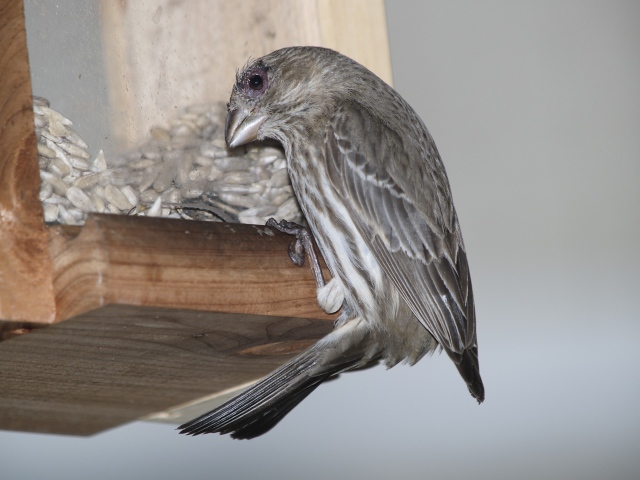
(271, 94)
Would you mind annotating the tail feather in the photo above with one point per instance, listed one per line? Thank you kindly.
(469, 368)
(266, 421)
(259, 408)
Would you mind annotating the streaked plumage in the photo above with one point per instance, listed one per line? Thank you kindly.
(374, 191)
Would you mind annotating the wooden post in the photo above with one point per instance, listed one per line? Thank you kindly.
(26, 289)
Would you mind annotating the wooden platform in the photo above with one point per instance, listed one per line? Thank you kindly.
(119, 363)
(112, 321)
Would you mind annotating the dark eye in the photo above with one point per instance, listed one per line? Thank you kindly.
(256, 82)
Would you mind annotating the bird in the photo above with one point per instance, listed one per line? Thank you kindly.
(376, 197)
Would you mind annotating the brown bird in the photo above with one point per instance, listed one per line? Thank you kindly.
(376, 196)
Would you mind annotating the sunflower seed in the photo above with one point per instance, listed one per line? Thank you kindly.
(80, 199)
(117, 198)
(51, 212)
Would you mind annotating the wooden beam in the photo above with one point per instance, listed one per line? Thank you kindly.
(26, 290)
(173, 263)
(120, 363)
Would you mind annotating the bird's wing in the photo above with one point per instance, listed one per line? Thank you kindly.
(398, 196)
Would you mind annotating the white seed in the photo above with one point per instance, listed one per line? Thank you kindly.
(57, 128)
(45, 191)
(117, 198)
(156, 208)
(73, 137)
(52, 114)
(59, 187)
(202, 160)
(212, 151)
(239, 178)
(142, 164)
(40, 101)
(86, 181)
(80, 199)
(51, 212)
(50, 136)
(59, 167)
(75, 150)
(241, 189)
(214, 173)
(194, 190)
(58, 200)
(99, 190)
(113, 209)
(184, 167)
(79, 163)
(67, 217)
(97, 202)
(256, 215)
(239, 200)
(121, 177)
(60, 153)
(39, 120)
(46, 151)
(149, 196)
(151, 174)
(100, 164)
(287, 210)
(199, 173)
(280, 178)
(235, 164)
(172, 196)
(130, 194)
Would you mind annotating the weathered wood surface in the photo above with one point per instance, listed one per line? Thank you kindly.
(163, 54)
(172, 263)
(26, 290)
(132, 349)
(120, 363)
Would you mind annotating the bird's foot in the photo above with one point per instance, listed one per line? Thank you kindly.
(303, 243)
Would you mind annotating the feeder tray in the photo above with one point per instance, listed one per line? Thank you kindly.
(127, 318)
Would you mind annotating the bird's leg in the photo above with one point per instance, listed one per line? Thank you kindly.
(303, 243)
(331, 294)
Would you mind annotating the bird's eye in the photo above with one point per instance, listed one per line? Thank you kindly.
(256, 82)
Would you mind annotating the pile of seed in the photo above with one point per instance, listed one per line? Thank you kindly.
(183, 171)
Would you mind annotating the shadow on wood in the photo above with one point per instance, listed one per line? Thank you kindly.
(120, 363)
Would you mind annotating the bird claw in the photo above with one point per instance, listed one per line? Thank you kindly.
(300, 247)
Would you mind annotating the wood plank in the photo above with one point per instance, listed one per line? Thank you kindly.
(25, 267)
(120, 363)
(179, 264)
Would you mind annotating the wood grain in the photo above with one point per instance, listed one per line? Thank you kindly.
(26, 291)
(165, 54)
(120, 363)
(172, 263)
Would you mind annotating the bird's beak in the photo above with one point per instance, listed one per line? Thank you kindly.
(242, 127)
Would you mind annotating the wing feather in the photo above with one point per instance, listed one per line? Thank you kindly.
(411, 230)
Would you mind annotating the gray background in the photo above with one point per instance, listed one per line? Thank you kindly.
(535, 107)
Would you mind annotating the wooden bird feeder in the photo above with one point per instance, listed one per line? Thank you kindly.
(127, 318)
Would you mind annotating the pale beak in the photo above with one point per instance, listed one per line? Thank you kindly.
(242, 127)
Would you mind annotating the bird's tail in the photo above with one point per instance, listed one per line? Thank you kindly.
(259, 408)
(469, 368)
